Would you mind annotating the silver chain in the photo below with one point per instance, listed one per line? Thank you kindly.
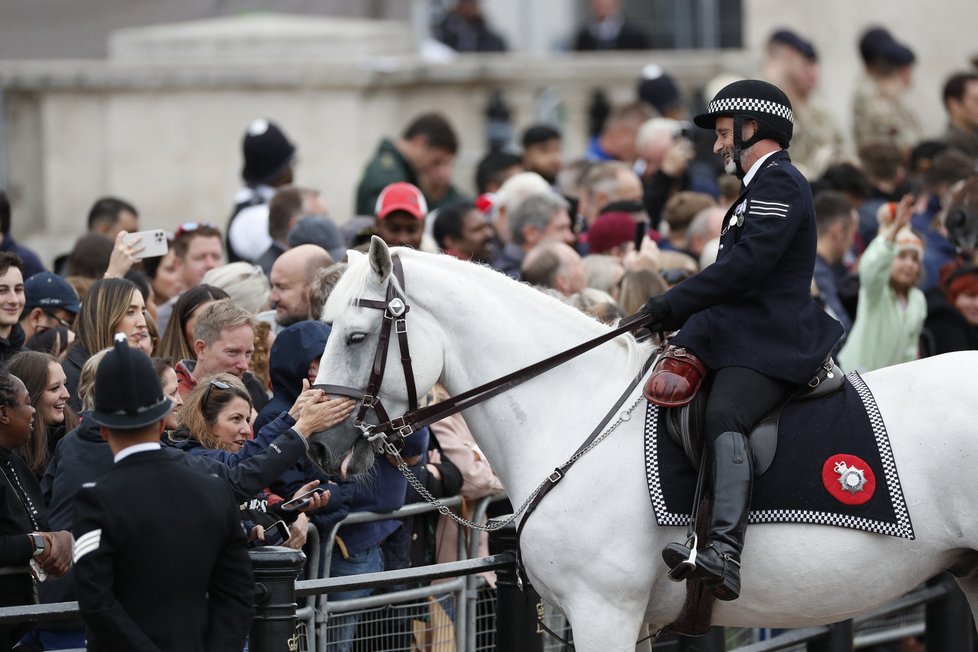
(444, 510)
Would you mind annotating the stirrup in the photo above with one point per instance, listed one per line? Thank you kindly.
(685, 568)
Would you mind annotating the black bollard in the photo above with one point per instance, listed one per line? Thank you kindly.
(516, 610)
(273, 628)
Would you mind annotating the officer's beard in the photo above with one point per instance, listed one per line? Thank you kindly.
(729, 165)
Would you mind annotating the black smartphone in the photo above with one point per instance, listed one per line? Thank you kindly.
(275, 535)
(301, 501)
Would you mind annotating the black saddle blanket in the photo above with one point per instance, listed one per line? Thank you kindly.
(833, 466)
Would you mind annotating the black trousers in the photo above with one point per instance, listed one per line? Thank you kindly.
(739, 398)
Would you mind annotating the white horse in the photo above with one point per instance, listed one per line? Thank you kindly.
(592, 548)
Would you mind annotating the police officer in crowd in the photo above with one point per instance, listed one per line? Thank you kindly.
(160, 557)
(749, 317)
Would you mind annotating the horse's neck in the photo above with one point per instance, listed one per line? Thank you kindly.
(528, 430)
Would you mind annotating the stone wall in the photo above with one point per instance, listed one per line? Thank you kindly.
(164, 132)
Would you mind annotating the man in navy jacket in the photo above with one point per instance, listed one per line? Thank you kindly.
(750, 317)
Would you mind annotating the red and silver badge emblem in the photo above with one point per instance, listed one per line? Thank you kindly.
(849, 479)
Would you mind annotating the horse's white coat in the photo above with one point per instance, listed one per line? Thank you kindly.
(592, 547)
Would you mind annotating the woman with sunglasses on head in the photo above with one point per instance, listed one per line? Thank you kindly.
(44, 378)
(216, 422)
(111, 305)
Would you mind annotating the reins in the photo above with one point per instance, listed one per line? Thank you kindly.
(392, 432)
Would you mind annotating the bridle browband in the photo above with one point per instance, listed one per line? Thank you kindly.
(393, 432)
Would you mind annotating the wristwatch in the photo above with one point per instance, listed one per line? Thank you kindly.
(39, 543)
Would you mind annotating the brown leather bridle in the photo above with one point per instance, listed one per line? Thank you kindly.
(395, 311)
(389, 434)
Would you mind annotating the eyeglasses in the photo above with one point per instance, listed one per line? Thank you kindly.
(220, 384)
(63, 322)
(190, 227)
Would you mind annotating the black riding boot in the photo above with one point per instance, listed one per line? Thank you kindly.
(718, 563)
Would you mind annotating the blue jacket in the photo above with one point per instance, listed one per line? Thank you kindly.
(295, 348)
(289, 358)
(382, 490)
(753, 307)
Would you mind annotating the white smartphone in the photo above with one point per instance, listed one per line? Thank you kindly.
(153, 243)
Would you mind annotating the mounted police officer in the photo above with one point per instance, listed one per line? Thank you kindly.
(750, 316)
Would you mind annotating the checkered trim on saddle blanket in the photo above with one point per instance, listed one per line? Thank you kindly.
(792, 490)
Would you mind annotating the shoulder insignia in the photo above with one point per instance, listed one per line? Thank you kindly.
(88, 485)
(387, 160)
(765, 209)
(87, 543)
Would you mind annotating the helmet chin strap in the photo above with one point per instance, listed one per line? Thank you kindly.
(740, 145)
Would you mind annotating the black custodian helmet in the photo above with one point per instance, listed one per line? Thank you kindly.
(758, 100)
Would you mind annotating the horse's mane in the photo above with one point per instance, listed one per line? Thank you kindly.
(354, 281)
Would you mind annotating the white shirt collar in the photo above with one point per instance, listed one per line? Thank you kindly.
(136, 448)
(757, 166)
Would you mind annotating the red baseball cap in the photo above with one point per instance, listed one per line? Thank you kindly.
(401, 196)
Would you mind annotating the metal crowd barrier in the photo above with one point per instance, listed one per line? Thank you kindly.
(318, 610)
(274, 629)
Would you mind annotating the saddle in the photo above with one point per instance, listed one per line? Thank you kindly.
(685, 421)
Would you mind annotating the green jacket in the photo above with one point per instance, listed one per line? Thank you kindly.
(386, 167)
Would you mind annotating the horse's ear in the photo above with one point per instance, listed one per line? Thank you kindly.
(380, 258)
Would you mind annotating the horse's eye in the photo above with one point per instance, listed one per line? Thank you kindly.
(355, 338)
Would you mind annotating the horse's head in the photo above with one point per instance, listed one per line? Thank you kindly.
(366, 296)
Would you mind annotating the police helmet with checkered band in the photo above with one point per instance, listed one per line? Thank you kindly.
(755, 99)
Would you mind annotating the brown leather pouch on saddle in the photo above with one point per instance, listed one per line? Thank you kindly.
(676, 377)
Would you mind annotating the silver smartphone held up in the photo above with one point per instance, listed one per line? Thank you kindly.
(153, 243)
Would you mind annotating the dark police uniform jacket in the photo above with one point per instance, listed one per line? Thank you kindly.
(753, 307)
(161, 561)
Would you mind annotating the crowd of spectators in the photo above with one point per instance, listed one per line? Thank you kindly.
(231, 312)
